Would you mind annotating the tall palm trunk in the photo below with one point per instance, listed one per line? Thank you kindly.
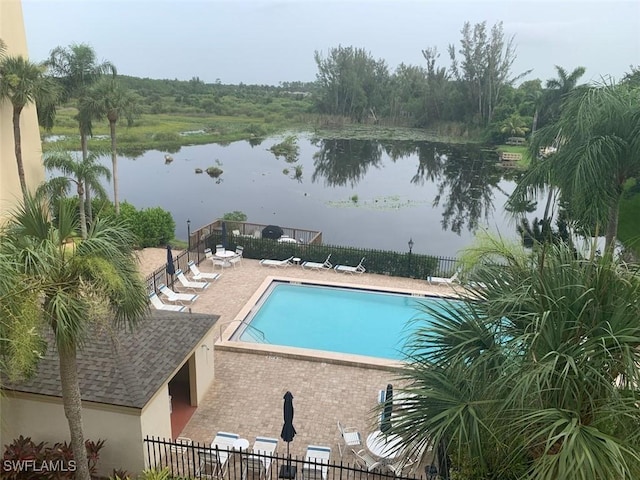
(17, 140)
(114, 164)
(534, 125)
(89, 207)
(612, 225)
(83, 216)
(73, 409)
(81, 196)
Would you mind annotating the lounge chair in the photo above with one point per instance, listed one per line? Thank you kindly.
(316, 464)
(189, 285)
(350, 437)
(196, 274)
(174, 297)
(318, 265)
(253, 468)
(450, 280)
(349, 269)
(224, 441)
(276, 263)
(209, 464)
(159, 305)
(181, 445)
(266, 446)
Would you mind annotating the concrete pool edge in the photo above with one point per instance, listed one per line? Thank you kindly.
(226, 343)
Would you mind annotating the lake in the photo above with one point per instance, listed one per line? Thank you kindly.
(357, 192)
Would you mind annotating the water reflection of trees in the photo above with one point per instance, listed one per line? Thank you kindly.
(341, 162)
(465, 176)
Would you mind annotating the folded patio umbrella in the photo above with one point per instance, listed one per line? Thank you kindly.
(171, 269)
(385, 423)
(287, 434)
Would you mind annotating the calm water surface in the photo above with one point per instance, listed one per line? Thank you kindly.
(436, 194)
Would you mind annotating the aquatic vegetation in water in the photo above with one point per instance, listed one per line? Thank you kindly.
(288, 149)
(389, 202)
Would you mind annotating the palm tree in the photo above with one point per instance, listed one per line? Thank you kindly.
(599, 150)
(539, 378)
(85, 173)
(19, 339)
(77, 68)
(558, 89)
(108, 98)
(514, 126)
(22, 83)
(75, 284)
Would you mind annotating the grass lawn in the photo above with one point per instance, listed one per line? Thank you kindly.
(522, 149)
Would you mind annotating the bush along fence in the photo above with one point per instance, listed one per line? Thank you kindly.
(196, 460)
(385, 262)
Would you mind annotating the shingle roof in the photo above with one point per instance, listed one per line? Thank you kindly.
(124, 368)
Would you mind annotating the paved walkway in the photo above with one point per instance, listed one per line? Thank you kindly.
(246, 396)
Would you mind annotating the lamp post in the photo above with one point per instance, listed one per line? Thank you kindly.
(409, 260)
(188, 238)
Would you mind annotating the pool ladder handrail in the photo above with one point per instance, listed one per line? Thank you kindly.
(247, 325)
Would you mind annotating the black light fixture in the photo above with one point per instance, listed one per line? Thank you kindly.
(410, 244)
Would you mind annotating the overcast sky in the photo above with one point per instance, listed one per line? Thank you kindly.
(270, 41)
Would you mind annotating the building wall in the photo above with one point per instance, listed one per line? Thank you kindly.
(204, 367)
(155, 420)
(42, 418)
(12, 32)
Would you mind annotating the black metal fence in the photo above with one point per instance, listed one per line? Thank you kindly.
(200, 461)
(385, 262)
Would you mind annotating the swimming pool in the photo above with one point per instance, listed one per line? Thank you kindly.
(335, 319)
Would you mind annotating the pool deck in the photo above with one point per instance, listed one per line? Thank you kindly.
(246, 395)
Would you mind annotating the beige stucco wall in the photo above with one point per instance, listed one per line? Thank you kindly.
(12, 31)
(204, 365)
(155, 420)
(42, 418)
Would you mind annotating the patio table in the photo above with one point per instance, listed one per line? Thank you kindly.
(386, 447)
(225, 256)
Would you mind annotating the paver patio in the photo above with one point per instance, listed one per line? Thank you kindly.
(246, 396)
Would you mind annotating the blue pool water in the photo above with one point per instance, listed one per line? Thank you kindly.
(361, 322)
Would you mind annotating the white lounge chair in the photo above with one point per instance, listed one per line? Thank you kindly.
(253, 468)
(450, 280)
(350, 437)
(318, 265)
(349, 269)
(189, 285)
(181, 445)
(224, 441)
(276, 263)
(260, 461)
(209, 464)
(264, 449)
(316, 455)
(159, 305)
(174, 297)
(198, 275)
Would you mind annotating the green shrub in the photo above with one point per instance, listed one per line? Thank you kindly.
(154, 227)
